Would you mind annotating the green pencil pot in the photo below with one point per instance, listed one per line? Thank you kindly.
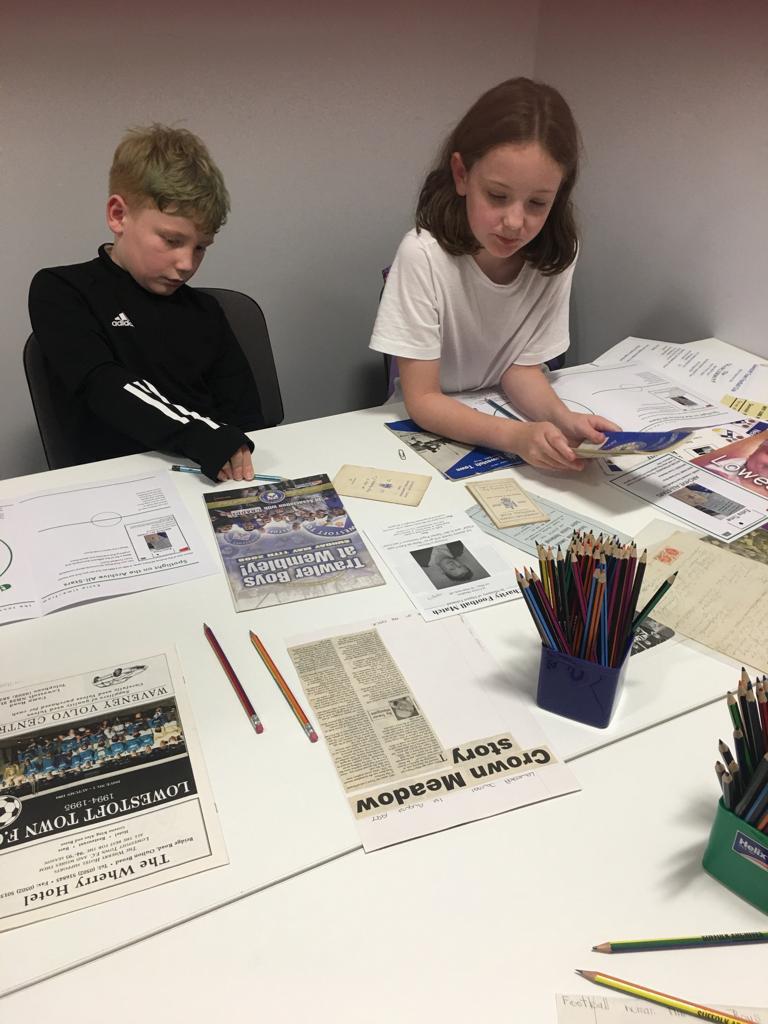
(737, 856)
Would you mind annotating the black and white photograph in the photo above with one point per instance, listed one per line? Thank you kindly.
(449, 565)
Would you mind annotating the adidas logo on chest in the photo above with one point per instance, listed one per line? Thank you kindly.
(121, 320)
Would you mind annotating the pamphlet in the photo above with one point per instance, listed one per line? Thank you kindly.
(506, 503)
(454, 460)
(86, 541)
(445, 565)
(381, 484)
(411, 719)
(288, 542)
(104, 790)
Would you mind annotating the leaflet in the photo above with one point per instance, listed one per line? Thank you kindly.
(288, 542)
(420, 744)
(87, 541)
(104, 791)
(445, 565)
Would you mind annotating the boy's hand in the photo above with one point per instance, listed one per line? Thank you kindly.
(579, 426)
(544, 446)
(239, 466)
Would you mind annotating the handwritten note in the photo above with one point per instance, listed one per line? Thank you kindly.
(585, 1009)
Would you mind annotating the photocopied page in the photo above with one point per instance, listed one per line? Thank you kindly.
(104, 788)
(417, 739)
(710, 366)
(588, 1009)
(95, 540)
(445, 565)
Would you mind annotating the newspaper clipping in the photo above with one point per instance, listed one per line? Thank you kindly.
(396, 701)
(103, 790)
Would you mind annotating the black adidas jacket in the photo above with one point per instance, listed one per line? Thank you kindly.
(141, 371)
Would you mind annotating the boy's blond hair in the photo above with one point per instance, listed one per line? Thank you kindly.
(171, 168)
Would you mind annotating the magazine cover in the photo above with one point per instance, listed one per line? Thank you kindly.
(454, 460)
(744, 462)
(103, 789)
(288, 542)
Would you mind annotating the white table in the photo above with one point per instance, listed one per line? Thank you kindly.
(270, 843)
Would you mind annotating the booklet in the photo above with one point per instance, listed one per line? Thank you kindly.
(104, 790)
(445, 565)
(381, 484)
(505, 503)
(86, 541)
(288, 542)
(411, 715)
(454, 460)
(620, 442)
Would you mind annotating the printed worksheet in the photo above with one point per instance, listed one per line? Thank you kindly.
(87, 541)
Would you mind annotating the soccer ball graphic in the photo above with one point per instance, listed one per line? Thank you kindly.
(10, 809)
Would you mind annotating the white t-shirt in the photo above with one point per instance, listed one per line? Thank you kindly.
(438, 306)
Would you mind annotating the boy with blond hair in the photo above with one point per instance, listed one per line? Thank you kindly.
(141, 360)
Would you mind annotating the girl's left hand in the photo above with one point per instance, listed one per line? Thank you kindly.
(579, 426)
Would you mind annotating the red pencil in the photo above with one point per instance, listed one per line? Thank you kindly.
(236, 684)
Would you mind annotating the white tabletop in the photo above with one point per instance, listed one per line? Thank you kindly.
(297, 817)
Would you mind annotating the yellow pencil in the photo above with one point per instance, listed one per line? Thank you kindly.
(641, 992)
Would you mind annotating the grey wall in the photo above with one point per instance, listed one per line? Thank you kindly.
(322, 115)
(672, 100)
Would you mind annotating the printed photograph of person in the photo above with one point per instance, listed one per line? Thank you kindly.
(449, 565)
(403, 707)
(158, 541)
(706, 501)
(744, 463)
(650, 633)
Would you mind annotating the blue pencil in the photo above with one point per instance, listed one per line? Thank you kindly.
(536, 613)
(256, 476)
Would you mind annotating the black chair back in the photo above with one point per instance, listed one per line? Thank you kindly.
(58, 431)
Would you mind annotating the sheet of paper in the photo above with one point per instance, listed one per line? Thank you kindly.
(558, 530)
(599, 1009)
(95, 540)
(109, 795)
(637, 398)
(445, 565)
(381, 484)
(420, 744)
(718, 599)
(699, 498)
(709, 366)
(506, 503)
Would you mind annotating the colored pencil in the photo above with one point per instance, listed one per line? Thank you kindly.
(283, 687)
(729, 791)
(752, 791)
(630, 988)
(684, 942)
(743, 755)
(733, 711)
(754, 726)
(646, 611)
(237, 686)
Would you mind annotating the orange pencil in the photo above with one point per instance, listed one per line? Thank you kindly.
(283, 687)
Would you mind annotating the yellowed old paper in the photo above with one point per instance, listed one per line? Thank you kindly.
(746, 407)
(718, 598)
(506, 503)
(381, 484)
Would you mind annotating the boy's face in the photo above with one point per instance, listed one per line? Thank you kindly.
(160, 250)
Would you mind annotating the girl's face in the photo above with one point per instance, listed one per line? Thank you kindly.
(509, 194)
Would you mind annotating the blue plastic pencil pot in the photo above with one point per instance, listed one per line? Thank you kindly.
(578, 689)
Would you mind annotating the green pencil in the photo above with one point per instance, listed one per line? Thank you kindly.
(645, 612)
(685, 942)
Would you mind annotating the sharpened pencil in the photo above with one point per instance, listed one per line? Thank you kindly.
(283, 687)
(683, 942)
(630, 988)
(237, 686)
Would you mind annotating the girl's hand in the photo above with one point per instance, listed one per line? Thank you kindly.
(579, 426)
(544, 446)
